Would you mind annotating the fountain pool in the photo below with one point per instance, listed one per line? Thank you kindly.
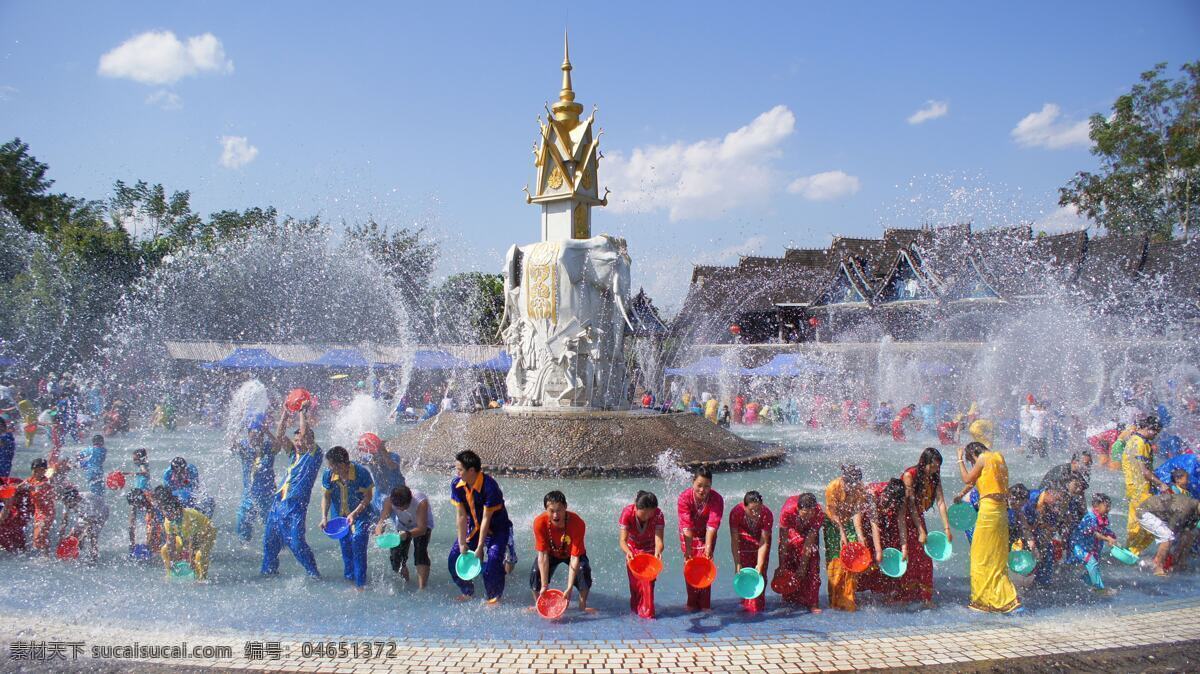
(119, 592)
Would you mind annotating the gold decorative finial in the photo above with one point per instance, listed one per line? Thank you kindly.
(566, 110)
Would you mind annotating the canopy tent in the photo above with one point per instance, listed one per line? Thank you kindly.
(249, 359)
(788, 365)
(6, 361)
(708, 366)
(341, 358)
(935, 368)
(437, 360)
(502, 362)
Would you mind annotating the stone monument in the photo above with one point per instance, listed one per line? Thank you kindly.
(565, 296)
(564, 325)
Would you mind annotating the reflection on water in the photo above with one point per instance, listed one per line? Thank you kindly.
(123, 592)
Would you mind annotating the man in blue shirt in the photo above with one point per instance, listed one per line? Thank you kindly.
(257, 453)
(289, 505)
(483, 525)
(349, 489)
(91, 460)
(8, 448)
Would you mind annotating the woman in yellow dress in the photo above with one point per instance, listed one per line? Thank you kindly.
(991, 589)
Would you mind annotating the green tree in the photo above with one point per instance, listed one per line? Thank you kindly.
(407, 259)
(1149, 150)
(465, 309)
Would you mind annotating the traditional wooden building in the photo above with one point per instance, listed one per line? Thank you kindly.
(941, 284)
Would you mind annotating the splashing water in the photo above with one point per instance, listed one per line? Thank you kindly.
(363, 414)
(668, 468)
(247, 400)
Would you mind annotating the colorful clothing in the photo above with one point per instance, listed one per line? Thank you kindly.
(258, 484)
(484, 496)
(641, 540)
(888, 521)
(91, 460)
(793, 532)
(345, 495)
(991, 589)
(41, 495)
(195, 531)
(1138, 454)
(749, 538)
(917, 582)
(845, 504)
(1086, 547)
(386, 479)
(698, 518)
(981, 431)
(285, 522)
(560, 545)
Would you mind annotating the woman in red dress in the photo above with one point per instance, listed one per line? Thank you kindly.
(750, 525)
(922, 488)
(888, 530)
(799, 552)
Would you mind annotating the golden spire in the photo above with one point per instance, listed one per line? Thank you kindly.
(566, 110)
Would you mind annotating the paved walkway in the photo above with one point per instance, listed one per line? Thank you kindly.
(27, 640)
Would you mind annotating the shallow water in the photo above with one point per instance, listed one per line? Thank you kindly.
(120, 591)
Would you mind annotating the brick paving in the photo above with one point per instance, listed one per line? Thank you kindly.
(991, 639)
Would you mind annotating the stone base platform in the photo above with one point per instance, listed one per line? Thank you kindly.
(569, 443)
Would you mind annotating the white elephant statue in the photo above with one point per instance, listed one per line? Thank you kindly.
(565, 322)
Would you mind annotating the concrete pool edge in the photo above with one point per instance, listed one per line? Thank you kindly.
(990, 640)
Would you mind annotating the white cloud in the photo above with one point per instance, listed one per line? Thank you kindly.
(1044, 129)
(158, 57)
(825, 186)
(236, 151)
(705, 178)
(167, 100)
(1064, 219)
(7, 92)
(931, 110)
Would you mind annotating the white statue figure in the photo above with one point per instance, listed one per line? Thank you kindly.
(566, 322)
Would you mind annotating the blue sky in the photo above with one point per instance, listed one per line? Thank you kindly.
(730, 128)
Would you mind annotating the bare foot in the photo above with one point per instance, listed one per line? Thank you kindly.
(462, 598)
(587, 609)
(814, 610)
(494, 601)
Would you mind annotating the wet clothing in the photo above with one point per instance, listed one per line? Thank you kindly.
(195, 531)
(749, 532)
(41, 496)
(699, 518)
(286, 520)
(345, 495)
(845, 504)
(483, 496)
(981, 431)
(1137, 454)
(1177, 511)
(8, 449)
(641, 540)
(420, 545)
(1085, 548)
(386, 479)
(17, 514)
(793, 532)
(1188, 462)
(991, 589)
(91, 460)
(258, 484)
(185, 485)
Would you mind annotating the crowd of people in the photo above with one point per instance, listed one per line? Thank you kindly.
(61, 506)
